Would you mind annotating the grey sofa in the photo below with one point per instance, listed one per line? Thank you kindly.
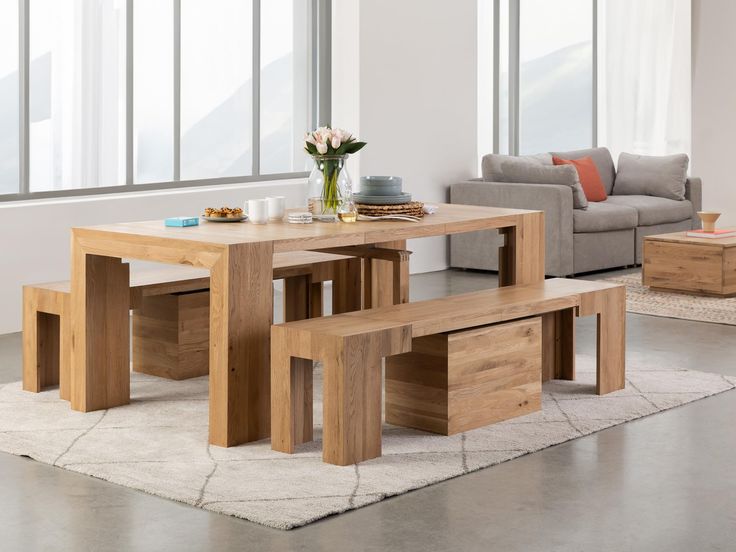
(606, 235)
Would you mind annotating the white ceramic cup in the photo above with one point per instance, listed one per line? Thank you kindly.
(276, 207)
(257, 211)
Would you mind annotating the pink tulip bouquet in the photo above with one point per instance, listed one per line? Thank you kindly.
(331, 141)
(330, 147)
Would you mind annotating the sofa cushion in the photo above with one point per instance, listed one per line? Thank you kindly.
(523, 172)
(493, 172)
(655, 210)
(652, 175)
(602, 159)
(590, 178)
(602, 216)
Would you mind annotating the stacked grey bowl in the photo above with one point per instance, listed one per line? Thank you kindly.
(381, 190)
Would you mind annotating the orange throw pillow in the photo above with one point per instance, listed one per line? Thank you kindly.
(590, 178)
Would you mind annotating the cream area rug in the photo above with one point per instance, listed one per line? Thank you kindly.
(641, 300)
(158, 444)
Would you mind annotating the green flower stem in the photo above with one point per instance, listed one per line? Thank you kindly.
(330, 190)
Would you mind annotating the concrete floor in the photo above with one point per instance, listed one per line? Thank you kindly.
(665, 482)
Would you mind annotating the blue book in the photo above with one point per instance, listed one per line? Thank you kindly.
(182, 221)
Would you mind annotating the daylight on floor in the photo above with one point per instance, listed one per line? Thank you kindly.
(367, 275)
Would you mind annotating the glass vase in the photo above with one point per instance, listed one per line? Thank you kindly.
(329, 187)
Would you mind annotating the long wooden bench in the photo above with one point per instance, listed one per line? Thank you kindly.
(153, 292)
(351, 347)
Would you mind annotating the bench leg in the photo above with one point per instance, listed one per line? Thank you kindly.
(401, 282)
(347, 286)
(611, 341)
(291, 396)
(316, 300)
(367, 283)
(297, 291)
(352, 399)
(558, 345)
(65, 353)
(31, 368)
(383, 283)
(41, 350)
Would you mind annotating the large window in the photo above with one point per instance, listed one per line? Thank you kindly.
(555, 75)
(571, 74)
(114, 95)
(545, 85)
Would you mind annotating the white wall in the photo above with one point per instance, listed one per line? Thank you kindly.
(413, 84)
(714, 105)
(35, 237)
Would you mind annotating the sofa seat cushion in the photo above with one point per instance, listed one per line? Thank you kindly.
(604, 216)
(655, 210)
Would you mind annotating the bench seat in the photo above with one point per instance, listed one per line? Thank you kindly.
(351, 347)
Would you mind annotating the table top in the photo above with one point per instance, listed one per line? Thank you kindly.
(683, 238)
(449, 219)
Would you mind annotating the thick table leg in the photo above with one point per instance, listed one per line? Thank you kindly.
(241, 313)
(611, 350)
(521, 258)
(352, 399)
(558, 345)
(100, 306)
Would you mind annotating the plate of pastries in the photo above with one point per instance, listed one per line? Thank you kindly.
(224, 214)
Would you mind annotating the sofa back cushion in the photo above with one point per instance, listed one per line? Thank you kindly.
(602, 159)
(493, 172)
(590, 179)
(652, 175)
(523, 172)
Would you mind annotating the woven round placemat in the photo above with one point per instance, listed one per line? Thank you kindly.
(414, 208)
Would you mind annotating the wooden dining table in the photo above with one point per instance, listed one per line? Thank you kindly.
(240, 257)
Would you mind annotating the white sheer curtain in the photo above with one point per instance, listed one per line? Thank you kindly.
(644, 76)
(77, 102)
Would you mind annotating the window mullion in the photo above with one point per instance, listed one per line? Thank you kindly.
(594, 76)
(177, 90)
(23, 90)
(514, 70)
(129, 99)
(256, 94)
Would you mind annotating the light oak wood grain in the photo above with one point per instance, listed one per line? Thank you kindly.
(53, 298)
(238, 378)
(699, 266)
(100, 361)
(352, 387)
(450, 383)
(171, 335)
(475, 358)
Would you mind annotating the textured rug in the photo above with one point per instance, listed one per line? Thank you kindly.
(641, 300)
(157, 444)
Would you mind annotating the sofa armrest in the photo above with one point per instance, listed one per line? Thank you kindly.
(694, 193)
(554, 200)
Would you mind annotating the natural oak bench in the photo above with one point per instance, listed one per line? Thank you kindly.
(169, 322)
(351, 347)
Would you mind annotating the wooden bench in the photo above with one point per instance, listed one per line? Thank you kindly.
(161, 296)
(351, 347)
